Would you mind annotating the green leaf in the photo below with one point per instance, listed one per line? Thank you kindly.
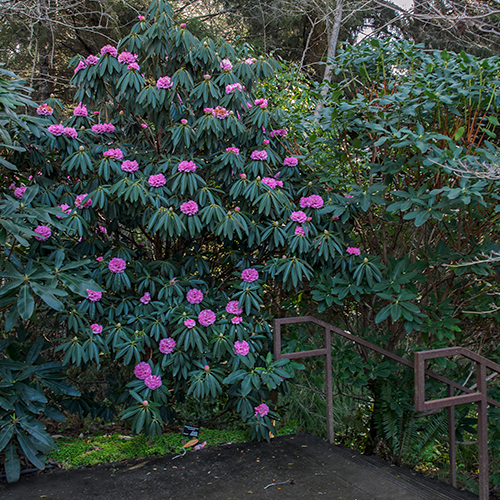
(25, 303)
(12, 464)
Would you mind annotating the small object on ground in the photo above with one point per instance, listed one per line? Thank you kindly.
(191, 443)
(275, 484)
(200, 446)
(125, 437)
(181, 455)
(191, 431)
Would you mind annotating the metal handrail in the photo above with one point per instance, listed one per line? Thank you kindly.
(420, 372)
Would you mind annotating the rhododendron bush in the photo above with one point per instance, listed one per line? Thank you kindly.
(175, 211)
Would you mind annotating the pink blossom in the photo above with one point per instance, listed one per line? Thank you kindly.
(225, 65)
(165, 82)
(261, 103)
(146, 298)
(241, 348)
(141, 18)
(262, 410)
(12, 186)
(207, 77)
(187, 166)
(80, 110)
(167, 345)
(269, 181)
(243, 176)
(127, 58)
(65, 208)
(235, 151)
(117, 265)
(194, 296)
(56, 129)
(80, 65)
(96, 329)
(44, 233)
(157, 180)
(44, 110)
(298, 216)
(233, 87)
(133, 66)
(142, 370)
(348, 196)
(145, 403)
(94, 296)
(220, 112)
(233, 307)
(109, 49)
(130, 166)
(290, 161)
(250, 275)
(79, 201)
(103, 128)
(152, 382)
(189, 207)
(250, 61)
(206, 317)
(115, 154)
(279, 184)
(237, 209)
(182, 25)
(100, 259)
(353, 251)
(19, 192)
(70, 132)
(281, 132)
(189, 323)
(92, 60)
(265, 142)
(299, 231)
(259, 155)
(206, 368)
(236, 320)
(315, 201)
(208, 111)
(184, 121)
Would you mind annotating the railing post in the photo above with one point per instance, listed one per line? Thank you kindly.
(329, 386)
(452, 451)
(482, 433)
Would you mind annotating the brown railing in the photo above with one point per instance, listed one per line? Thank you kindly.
(480, 395)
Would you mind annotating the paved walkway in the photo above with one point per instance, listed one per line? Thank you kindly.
(288, 468)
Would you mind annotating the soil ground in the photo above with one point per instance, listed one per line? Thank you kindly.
(289, 468)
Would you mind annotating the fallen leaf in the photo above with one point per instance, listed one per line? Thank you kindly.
(191, 443)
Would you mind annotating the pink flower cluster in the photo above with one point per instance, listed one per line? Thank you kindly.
(117, 265)
(19, 192)
(353, 251)
(130, 166)
(206, 317)
(262, 410)
(44, 110)
(65, 208)
(189, 323)
(262, 103)
(233, 308)
(187, 166)
(92, 60)
(313, 201)
(127, 58)
(80, 110)
(167, 345)
(290, 161)
(220, 112)
(241, 348)
(44, 233)
(134, 66)
(103, 128)
(250, 275)
(235, 151)
(157, 180)
(298, 216)
(62, 130)
(153, 382)
(225, 65)
(236, 320)
(79, 66)
(194, 296)
(145, 299)
(165, 82)
(250, 61)
(299, 231)
(272, 183)
(94, 296)
(259, 155)
(109, 49)
(233, 87)
(189, 207)
(96, 329)
(79, 201)
(142, 370)
(281, 132)
(114, 154)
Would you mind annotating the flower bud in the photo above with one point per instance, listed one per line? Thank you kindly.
(145, 403)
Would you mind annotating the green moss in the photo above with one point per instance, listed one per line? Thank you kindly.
(79, 452)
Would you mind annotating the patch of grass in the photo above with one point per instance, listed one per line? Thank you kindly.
(78, 452)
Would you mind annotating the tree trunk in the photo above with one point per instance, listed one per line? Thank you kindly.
(333, 30)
